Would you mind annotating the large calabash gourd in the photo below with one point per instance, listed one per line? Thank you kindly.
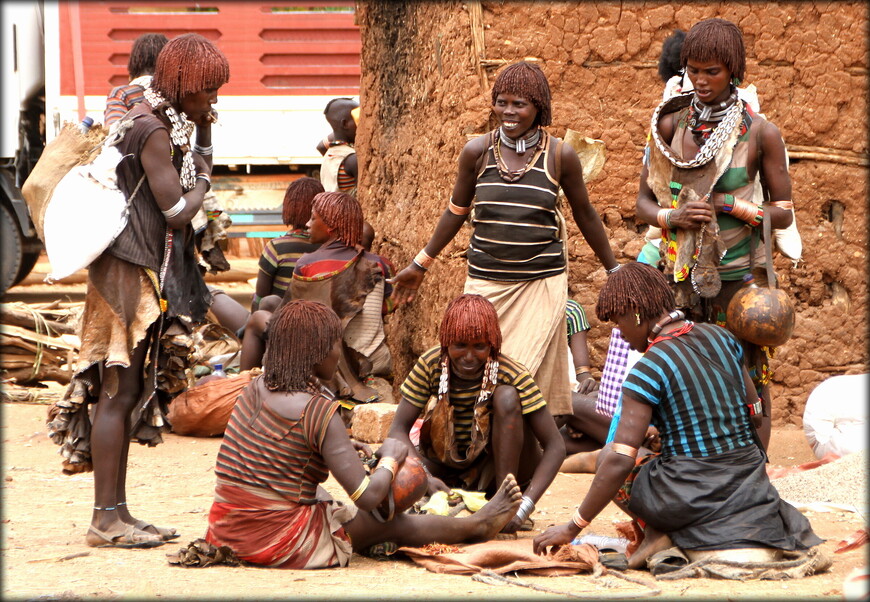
(761, 315)
(409, 485)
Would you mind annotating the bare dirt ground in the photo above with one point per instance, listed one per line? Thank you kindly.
(45, 516)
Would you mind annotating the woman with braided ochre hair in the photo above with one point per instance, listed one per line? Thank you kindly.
(281, 254)
(283, 440)
(483, 415)
(712, 161)
(708, 490)
(145, 282)
(517, 257)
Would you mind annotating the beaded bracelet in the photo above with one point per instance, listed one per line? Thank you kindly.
(578, 520)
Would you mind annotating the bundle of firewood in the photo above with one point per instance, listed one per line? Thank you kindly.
(38, 341)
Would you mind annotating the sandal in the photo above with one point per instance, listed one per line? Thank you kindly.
(130, 538)
(613, 559)
(666, 561)
(381, 551)
(165, 533)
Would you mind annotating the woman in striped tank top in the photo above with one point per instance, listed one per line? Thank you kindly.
(516, 257)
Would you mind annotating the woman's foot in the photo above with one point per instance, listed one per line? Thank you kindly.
(121, 535)
(499, 510)
(165, 533)
(653, 541)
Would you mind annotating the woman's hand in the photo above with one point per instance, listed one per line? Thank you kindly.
(554, 537)
(359, 446)
(392, 448)
(406, 283)
(692, 215)
(435, 485)
(651, 440)
(207, 119)
(587, 382)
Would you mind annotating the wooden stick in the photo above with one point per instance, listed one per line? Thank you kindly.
(831, 158)
(475, 14)
(32, 320)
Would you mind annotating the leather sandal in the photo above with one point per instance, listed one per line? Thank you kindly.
(666, 561)
(165, 533)
(130, 538)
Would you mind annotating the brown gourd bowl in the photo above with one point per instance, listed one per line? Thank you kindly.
(409, 485)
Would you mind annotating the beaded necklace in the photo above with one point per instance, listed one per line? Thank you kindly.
(180, 134)
(512, 175)
(487, 385)
(674, 316)
(701, 115)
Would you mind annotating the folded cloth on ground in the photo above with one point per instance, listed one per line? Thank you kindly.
(506, 556)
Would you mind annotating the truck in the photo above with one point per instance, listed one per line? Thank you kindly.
(287, 60)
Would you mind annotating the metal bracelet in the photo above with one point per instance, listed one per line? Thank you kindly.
(527, 506)
(612, 270)
(175, 209)
(203, 150)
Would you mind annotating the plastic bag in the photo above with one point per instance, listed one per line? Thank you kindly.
(835, 417)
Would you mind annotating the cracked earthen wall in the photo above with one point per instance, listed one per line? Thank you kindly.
(427, 71)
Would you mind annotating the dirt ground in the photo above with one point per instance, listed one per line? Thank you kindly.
(45, 516)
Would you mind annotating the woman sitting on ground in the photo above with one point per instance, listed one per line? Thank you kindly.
(708, 488)
(280, 254)
(483, 415)
(283, 440)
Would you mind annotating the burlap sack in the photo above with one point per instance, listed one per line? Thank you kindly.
(69, 149)
(204, 410)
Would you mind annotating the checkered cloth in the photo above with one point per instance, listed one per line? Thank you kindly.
(616, 367)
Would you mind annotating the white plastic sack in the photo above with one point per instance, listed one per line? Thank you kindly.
(835, 417)
(86, 212)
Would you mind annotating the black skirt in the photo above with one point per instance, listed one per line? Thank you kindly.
(719, 502)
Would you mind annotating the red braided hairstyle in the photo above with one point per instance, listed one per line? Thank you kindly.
(189, 64)
(715, 40)
(528, 81)
(635, 288)
(301, 334)
(342, 213)
(297, 201)
(470, 317)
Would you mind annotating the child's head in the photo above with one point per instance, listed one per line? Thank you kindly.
(302, 336)
(467, 319)
(339, 114)
(143, 55)
(298, 199)
(715, 40)
(669, 59)
(368, 236)
(342, 214)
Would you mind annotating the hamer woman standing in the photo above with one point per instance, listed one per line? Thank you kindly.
(146, 282)
(517, 258)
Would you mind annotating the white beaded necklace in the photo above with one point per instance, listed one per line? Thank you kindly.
(180, 134)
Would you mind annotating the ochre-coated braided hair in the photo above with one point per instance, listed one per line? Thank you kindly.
(341, 213)
(468, 318)
(301, 334)
(715, 40)
(528, 81)
(298, 199)
(189, 64)
(143, 55)
(635, 288)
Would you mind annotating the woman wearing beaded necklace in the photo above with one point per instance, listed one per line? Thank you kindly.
(483, 417)
(145, 283)
(708, 489)
(709, 157)
(517, 257)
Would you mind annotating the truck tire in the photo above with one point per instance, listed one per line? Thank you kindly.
(12, 248)
(28, 260)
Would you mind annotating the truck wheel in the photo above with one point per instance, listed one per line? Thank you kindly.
(12, 249)
(28, 260)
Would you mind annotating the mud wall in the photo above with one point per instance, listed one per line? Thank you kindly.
(425, 88)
